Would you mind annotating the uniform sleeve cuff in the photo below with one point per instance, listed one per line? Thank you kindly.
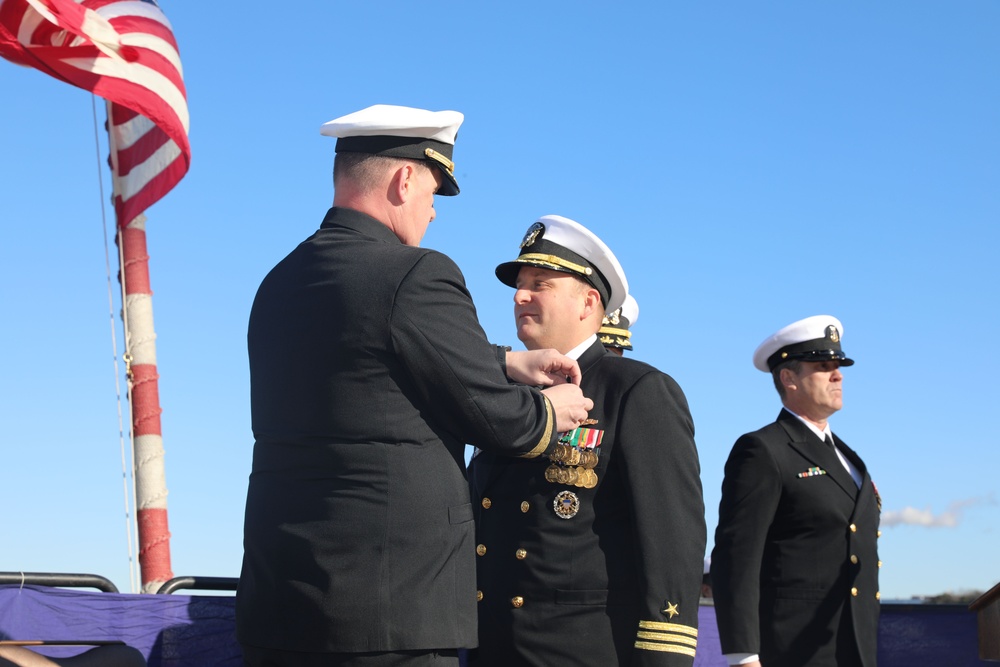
(502, 351)
(546, 441)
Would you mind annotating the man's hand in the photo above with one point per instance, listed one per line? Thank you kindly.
(570, 405)
(542, 368)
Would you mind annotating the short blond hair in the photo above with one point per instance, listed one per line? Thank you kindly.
(366, 171)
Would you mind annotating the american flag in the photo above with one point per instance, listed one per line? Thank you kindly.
(125, 52)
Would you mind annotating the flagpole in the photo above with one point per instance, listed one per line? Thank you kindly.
(147, 439)
(144, 396)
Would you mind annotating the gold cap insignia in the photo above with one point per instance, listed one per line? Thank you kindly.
(833, 334)
(532, 234)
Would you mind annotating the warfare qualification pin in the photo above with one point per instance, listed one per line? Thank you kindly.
(532, 234)
(566, 504)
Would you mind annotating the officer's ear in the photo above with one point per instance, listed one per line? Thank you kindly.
(789, 380)
(402, 183)
(592, 304)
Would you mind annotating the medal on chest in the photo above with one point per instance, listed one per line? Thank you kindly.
(573, 463)
(566, 504)
(575, 457)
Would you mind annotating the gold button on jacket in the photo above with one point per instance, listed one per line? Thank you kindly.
(481, 550)
(517, 601)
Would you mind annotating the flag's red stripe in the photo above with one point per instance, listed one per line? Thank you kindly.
(120, 114)
(141, 150)
(134, 23)
(149, 57)
(158, 186)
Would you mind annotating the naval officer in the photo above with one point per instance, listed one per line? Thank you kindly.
(795, 564)
(593, 555)
(358, 537)
(615, 333)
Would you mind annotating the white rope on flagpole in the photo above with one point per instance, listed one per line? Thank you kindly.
(135, 573)
(129, 497)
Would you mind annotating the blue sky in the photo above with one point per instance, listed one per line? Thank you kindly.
(749, 163)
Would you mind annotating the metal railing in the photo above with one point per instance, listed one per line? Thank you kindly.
(199, 583)
(59, 579)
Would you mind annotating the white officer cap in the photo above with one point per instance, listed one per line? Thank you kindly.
(560, 244)
(403, 132)
(815, 338)
(614, 331)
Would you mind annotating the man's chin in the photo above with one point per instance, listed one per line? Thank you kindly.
(525, 337)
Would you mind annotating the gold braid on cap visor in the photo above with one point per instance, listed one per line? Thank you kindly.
(440, 159)
(623, 333)
(554, 262)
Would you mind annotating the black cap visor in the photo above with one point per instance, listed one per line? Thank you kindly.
(787, 354)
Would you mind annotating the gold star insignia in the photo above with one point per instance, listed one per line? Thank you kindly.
(671, 610)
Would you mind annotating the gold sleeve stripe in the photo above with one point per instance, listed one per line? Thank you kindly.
(666, 648)
(550, 420)
(667, 637)
(668, 627)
